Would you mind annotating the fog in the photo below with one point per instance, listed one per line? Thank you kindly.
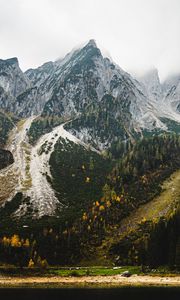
(139, 34)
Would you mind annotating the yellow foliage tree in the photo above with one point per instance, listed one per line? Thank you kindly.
(108, 203)
(84, 217)
(144, 220)
(39, 261)
(101, 207)
(87, 179)
(6, 241)
(113, 195)
(15, 241)
(26, 243)
(31, 263)
(44, 264)
(107, 191)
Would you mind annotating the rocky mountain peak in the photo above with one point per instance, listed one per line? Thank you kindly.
(80, 83)
(171, 81)
(151, 77)
(9, 62)
(91, 49)
(92, 43)
(13, 82)
(152, 83)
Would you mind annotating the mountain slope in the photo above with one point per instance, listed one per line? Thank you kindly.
(7, 122)
(30, 173)
(85, 98)
(79, 87)
(152, 84)
(165, 96)
(161, 206)
(173, 94)
(12, 84)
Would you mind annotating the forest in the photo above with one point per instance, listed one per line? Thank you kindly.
(101, 191)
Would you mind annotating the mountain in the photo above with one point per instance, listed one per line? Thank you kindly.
(170, 81)
(85, 151)
(12, 79)
(152, 84)
(13, 83)
(172, 95)
(79, 87)
(165, 98)
(84, 97)
(96, 101)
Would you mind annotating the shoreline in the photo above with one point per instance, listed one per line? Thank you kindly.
(89, 281)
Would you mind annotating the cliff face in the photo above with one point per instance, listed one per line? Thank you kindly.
(13, 82)
(79, 85)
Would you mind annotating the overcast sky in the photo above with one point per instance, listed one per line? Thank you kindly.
(139, 34)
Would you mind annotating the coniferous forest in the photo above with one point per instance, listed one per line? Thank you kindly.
(94, 233)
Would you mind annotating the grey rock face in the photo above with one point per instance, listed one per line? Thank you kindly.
(172, 92)
(152, 84)
(76, 86)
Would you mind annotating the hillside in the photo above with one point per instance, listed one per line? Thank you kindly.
(102, 219)
(93, 92)
(7, 122)
(127, 235)
(89, 163)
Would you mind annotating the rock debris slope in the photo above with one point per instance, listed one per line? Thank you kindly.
(28, 174)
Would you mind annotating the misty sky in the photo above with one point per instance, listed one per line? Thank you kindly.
(139, 34)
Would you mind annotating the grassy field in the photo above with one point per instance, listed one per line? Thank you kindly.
(95, 271)
(68, 271)
(84, 271)
(86, 277)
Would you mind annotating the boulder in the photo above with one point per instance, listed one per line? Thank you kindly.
(126, 274)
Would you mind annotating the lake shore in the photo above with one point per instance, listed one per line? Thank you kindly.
(89, 281)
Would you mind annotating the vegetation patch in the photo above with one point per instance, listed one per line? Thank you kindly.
(78, 175)
(7, 122)
(42, 125)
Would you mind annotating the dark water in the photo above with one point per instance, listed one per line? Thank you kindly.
(93, 294)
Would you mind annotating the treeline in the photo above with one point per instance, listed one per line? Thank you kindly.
(20, 252)
(64, 241)
(79, 175)
(7, 122)
(42, 125)
(97, 203)
(141, 169)
(139, 173)
(151, 153)
(154, 243)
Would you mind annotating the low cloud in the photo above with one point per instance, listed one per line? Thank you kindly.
(139, 34)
